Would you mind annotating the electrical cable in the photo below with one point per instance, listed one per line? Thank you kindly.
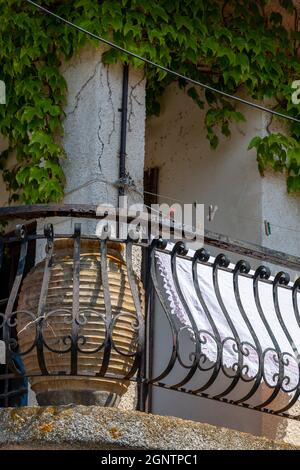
(162, 67)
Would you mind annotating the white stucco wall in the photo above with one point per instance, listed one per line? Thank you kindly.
(92, 128)
(227, 177)
(283, 212)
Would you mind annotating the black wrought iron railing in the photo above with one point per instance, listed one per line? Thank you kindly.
(209, 336)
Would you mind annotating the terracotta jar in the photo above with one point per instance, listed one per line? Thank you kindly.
(83, 388)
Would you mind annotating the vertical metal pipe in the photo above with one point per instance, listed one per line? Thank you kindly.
(122, 166)
(76, 300)
(108, 308)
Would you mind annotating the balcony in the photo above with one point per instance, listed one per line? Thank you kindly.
(79, 324)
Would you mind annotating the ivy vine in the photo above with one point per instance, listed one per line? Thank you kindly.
(230, 44)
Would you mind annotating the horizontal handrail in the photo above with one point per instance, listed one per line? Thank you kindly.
(87, 211)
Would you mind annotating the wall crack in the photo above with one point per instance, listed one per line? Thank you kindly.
(112, 106)
(131, 99)
(101, 143)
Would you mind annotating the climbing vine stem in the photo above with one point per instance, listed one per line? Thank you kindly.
(231, 44)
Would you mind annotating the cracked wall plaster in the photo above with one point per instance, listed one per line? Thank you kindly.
(92, 136)
(92, 128)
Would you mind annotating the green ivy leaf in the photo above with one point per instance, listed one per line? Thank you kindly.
(254, 143)
(192, 92)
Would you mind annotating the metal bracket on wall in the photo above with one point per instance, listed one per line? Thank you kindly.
(267, 228)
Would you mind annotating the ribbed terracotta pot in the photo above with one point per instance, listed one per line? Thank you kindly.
(57, 326)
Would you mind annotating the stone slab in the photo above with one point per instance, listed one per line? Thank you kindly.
(95, 427)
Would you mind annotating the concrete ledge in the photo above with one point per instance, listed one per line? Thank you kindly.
(108, 428)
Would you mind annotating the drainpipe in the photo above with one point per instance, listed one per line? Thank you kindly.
(122, 166)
